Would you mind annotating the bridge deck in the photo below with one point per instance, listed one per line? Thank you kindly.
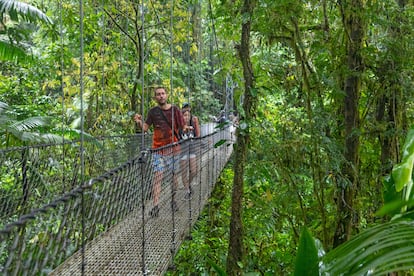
(120, 251)
(104, 227)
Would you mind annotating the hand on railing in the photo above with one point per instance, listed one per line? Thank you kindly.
(138, 119)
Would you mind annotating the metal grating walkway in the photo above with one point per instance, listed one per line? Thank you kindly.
(104, 227)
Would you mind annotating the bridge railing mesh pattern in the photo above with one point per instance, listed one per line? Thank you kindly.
(35, 175)
(60, 224)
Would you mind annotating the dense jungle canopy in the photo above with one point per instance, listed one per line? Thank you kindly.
(323, 92)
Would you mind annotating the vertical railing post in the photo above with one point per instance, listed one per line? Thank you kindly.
(142, 160)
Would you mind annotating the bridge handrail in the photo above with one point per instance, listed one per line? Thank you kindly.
(42, 238)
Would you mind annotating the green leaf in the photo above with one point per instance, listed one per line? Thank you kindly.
(402, 173)
(307, 257)
(3, 106)
(391, 208)
(220, 271)
(30, 123)
(378, 250)
(10, 52)
(28, 12)
(20, 12)
(389, 193)
(219, 143)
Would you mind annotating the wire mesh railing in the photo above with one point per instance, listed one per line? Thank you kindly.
(104, 226)
(34, 175)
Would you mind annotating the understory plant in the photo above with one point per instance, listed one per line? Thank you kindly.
(380, 249)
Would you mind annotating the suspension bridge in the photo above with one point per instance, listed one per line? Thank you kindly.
(91, 216)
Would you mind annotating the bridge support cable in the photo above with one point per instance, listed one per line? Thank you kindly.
(198, 179)
(142, 161)
(82, 124)
(144, 183)
(173, 181)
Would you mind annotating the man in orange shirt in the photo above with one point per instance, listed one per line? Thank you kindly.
(167, 121)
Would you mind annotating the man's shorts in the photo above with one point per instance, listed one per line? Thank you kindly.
(163, 162)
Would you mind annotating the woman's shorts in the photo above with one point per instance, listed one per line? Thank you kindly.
(185, 156)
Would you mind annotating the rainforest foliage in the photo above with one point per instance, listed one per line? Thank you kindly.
(323, 94)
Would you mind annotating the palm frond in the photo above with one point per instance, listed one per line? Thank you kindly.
(30, 137)
(53, 138)
(10, 52)
(379, 250)
(29, 123)
(5, 120)
(3, 106)
(36, 137)
(27, 12)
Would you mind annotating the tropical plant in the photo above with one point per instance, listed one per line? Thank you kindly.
(16, 20)
(379, 250)
(15, 132)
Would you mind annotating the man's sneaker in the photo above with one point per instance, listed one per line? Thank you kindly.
(189, 193)
(154, 211)
(174, 206)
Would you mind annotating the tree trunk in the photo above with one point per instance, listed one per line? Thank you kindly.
(348, 188)
(388, 113)
(236, 250)
(390, 104)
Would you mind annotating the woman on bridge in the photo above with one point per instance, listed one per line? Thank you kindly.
(188, 159)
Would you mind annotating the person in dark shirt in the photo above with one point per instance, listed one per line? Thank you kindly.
(167, 121)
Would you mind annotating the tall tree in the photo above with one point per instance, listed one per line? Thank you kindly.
(235, 250)
(391, 101)
(347, 190)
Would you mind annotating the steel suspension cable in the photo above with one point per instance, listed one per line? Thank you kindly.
(82, 152)
(142, 59)
(143, 158)
(62, 88)
(173, 188)
(189, 90)
(171, 62)
(213, 28)
(102, 50)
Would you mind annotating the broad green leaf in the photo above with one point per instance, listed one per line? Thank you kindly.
(219, 270)
(28, 12)
(402, 173)
(376, 251)
(10, 52)
(389, 192)
(20, 12)
(307, 256)
(390, 208)
(30, 123)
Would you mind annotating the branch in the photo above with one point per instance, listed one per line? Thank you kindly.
(122, 29)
